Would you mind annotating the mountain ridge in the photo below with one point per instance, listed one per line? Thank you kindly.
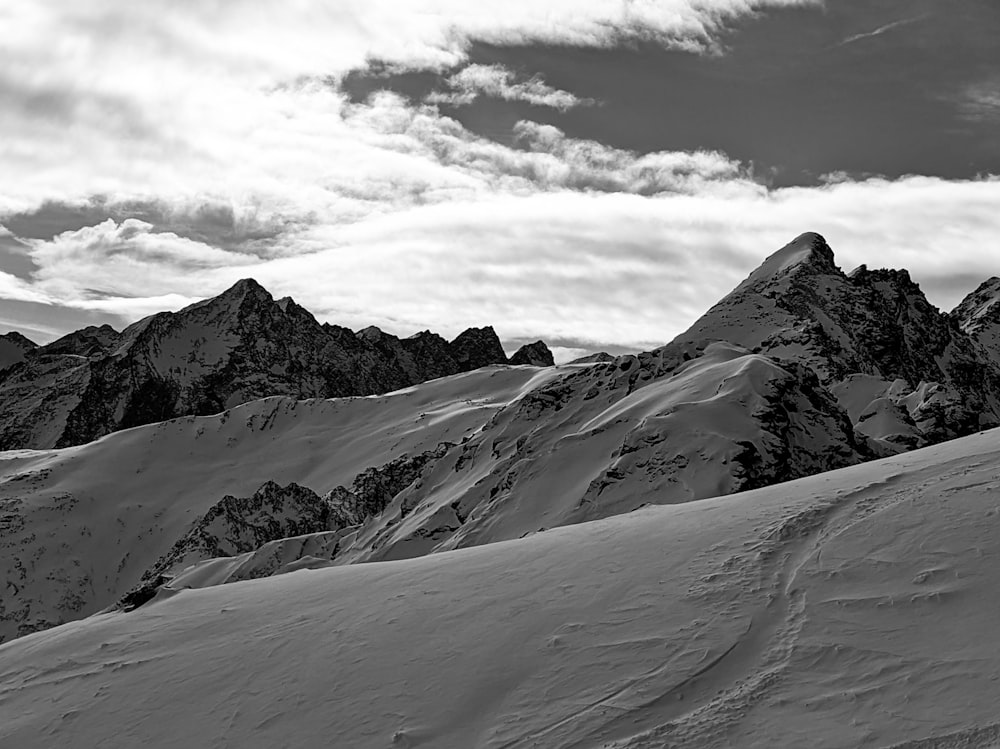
(211, 355)
(823, 370)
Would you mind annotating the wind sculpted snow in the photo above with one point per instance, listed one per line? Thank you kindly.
(820, 613)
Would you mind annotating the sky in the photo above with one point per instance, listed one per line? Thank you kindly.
(594, 173)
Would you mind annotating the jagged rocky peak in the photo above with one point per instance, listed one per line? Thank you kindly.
(807, 253)
(800, 306)
(245, 291)
(535, 354)
(372, 333)
(18, 339)
(477, 347)
(13, 347)
(90, 341)
(215, 354)
(980, 309)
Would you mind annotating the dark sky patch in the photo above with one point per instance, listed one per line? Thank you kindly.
(14, 258)
(887, 87)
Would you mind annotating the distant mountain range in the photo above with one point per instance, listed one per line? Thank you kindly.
(801, 369)
(233, 348)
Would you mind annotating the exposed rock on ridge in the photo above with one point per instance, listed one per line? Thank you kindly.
(871, 336)
(535, 354)
(233, 348)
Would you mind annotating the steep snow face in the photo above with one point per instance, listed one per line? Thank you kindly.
(853, 330)
(818, 613)
(79, 526)
(979, 316)
(212, 355)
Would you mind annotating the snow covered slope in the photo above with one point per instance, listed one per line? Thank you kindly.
(608, 438)
(79, 526)
(802, 369)
(823, 612)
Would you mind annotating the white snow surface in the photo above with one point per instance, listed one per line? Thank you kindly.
(79, 526)
(853, 608)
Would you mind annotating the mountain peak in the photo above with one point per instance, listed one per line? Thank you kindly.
(246, 287)
(980, 309)
(477, 347)
(232, 298)
(18, 339)
(807, 252)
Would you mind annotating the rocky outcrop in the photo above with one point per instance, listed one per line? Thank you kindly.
(260, 529)
(212, 355)
(477, 347)
(374, 488)
(535, 354)
(600, 356)
(236, 525)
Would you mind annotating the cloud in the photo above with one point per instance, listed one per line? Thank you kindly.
(980, 101)
(95, 266)
(883, 29)
(550, 237)
(220, 146)
(500, 83)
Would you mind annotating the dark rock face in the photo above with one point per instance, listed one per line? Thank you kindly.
(477, 347)
(237, 347)
(535, 354)
(13, 348)
(91, 341)
(374, 488)
(235, 525)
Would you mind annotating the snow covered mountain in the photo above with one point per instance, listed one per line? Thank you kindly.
(822, 612)
(905, 372)
(234, 348)
(801, 370)
(194, 555)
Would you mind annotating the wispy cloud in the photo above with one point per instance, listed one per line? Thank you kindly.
(499, 82)
(882, 29)
(980, 101)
